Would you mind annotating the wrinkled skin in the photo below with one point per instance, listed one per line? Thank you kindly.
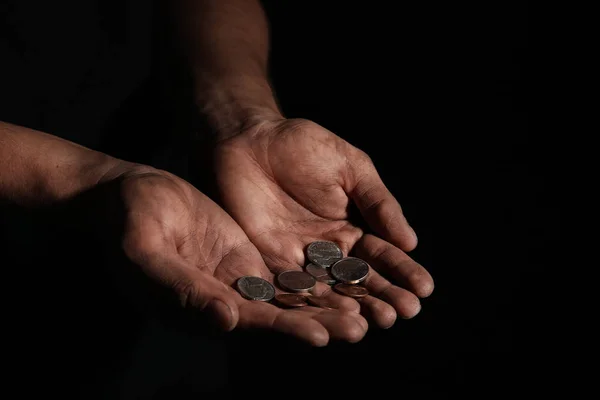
(185, 242)
(289, 182)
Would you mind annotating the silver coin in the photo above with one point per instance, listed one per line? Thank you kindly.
(320, 273)
(350, 270)
(254, 288)
(323, 253)
(296, 281)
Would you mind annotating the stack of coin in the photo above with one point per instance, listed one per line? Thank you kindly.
(326, 264)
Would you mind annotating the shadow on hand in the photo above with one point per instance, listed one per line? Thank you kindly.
(80, 314)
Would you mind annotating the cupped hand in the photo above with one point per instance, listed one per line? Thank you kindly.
(184, 241)
(290, 182)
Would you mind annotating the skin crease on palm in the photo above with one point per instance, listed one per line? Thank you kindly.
(185, 241)
(289, 182)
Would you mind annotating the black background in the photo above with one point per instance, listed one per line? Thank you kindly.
(438, 94)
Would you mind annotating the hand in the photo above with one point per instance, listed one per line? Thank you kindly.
(290, 182)
(182, 240)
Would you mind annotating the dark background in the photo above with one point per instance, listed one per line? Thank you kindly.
(438, 93)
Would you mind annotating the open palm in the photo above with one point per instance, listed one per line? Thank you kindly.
(185, 242)
(290, 182)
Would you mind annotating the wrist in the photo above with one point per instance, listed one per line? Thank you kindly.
(37, 168)
(81, 172)
(232, 105)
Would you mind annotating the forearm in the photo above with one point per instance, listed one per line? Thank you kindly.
(37, 168)
(227, 44)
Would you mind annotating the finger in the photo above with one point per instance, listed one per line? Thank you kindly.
(313, 325)
(194, 288)
(259, 315)
(285, 253)
(406, 304)
(342, 303)
(341, 325)
(380, 312)
(379, 207)
(393, 262)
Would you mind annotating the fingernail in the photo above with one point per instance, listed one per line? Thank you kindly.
(221, 314)
(415, 237)
(416, 311)
(413, 233)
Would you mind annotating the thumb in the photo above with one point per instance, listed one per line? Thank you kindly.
(196, 291)
(379, 207)
(203, 292)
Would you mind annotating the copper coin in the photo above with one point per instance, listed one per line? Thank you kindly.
(296, 281)
(351, 290)
(323, 253)
(350, 270)
(322, 302)
(320, 273)
(291, 300)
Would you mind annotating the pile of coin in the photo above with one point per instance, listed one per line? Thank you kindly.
(327, 264)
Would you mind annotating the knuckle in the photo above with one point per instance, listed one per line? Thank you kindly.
(189, 294)
(360, 158)
(137, 247)
(368, 190)
(379, 250)
(299, 125)
(364, 157)
(134, 243)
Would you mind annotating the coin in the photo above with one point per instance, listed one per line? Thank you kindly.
(291, 300)
(327, 280)
(350, 270)
(355, 291)
(320, 273)
(296, 281)
(323, 253)
(322, 302)
(255, 288)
